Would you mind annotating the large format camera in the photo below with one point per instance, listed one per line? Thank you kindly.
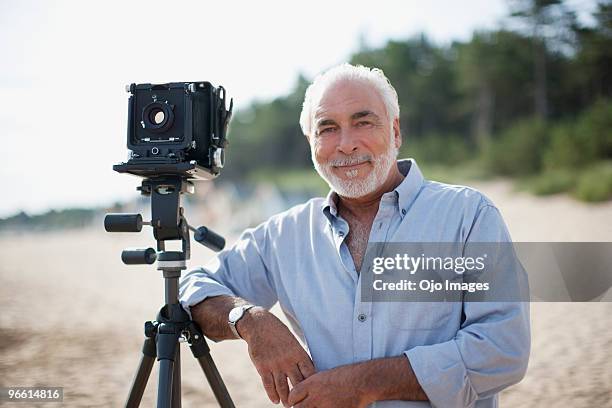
(177, 128)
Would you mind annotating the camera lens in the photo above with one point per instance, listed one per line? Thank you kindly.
(157, 116)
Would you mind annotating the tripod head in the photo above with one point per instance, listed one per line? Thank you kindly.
(168, 222)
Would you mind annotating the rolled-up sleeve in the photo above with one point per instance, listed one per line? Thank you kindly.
(491, 350)
(238, 271)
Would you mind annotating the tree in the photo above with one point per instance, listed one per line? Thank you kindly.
(594, 56)
(548, 22)
(493, 72)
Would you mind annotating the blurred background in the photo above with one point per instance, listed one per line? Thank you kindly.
(513, 97)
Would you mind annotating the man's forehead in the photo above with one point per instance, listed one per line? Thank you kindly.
(347, 99)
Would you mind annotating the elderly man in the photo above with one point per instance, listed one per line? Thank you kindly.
(309, 258)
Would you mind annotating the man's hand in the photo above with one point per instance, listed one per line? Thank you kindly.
(275, 352)
(358, 385)
(335, 388)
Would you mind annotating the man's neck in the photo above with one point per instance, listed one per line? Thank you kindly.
(365, 208)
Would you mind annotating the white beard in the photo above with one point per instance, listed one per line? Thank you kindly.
(357, 187)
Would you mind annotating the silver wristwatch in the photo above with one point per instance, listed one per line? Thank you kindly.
(236, 314)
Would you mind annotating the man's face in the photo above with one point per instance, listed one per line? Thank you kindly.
(353, 142)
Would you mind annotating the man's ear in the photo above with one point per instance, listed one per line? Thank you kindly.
(397, 134)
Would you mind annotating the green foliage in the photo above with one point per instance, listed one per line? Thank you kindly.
(588, 139)
(595, 127)
(595, 183)
(461, 173)
(565, 148)
(440, 149)
(268, 134)
(518, 150)
(592, 183)
(551, 182)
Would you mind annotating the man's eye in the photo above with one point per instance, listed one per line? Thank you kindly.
(326, 130)
(363, 123)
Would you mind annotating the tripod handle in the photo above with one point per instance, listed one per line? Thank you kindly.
(138, 256)
(117, 222)
(209, 238)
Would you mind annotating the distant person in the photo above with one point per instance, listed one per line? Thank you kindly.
(308, 258)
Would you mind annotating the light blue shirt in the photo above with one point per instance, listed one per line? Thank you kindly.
(463, 353)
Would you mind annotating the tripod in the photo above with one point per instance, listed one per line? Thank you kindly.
(172, 324)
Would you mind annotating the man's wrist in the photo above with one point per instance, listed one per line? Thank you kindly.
(362, 376)
(246, 325)
(387, 378)
(359, 376)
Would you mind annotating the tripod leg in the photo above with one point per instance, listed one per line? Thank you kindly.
(164, 385)
(142, 375)
(201, 351)
(167, 346)
(215, 381)
(176, 380)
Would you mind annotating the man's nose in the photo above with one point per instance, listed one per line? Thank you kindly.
(347, 143)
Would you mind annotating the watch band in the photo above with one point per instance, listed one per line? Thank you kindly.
(232, 323)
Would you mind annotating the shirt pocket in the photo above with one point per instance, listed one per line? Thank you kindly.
(419, 315)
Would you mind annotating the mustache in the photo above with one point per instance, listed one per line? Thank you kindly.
(350, 160)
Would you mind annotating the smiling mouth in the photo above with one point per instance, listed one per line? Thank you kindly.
(351, 166)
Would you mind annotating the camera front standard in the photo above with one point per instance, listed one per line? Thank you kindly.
(177, 128)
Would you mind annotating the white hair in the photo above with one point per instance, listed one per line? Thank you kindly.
(372, 76)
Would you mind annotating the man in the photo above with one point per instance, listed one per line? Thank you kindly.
(309, 257)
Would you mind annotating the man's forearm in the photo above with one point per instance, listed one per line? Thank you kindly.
(389, 379)
(212, 316)
(360, 384)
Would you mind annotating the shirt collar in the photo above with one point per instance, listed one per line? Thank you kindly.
(406, 191)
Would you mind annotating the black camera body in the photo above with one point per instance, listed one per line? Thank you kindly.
(177, 128)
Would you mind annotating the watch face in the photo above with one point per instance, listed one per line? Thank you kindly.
(235, 314)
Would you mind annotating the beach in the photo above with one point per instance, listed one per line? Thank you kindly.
(72, 316)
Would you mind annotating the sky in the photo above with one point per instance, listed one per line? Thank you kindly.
(64, 66)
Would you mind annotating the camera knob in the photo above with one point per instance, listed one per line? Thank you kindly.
(150, 329)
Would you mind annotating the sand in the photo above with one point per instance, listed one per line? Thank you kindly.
(72, 316)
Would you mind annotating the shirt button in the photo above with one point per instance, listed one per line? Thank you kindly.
(403, 211)
(340, 233)
(362, 317)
